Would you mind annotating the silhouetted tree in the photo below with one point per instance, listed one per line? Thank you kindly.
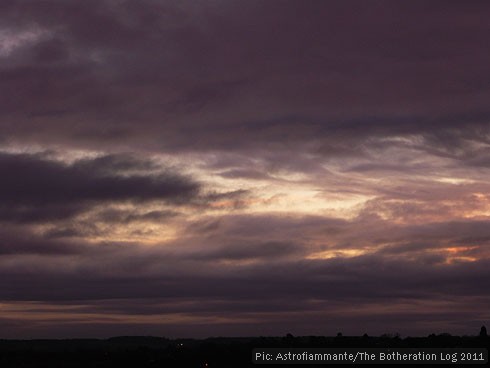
(483, 331)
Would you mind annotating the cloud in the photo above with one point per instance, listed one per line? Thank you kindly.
(230, 269)
(286, 161)
(362, 280)
(35, 189)
(23, 241)
(119, 216)
(198, 77)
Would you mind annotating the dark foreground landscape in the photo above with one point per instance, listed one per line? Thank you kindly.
(147, 351)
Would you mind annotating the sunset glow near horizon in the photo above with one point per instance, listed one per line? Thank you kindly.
(239, 168)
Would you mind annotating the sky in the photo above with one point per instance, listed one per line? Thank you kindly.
(244, 168)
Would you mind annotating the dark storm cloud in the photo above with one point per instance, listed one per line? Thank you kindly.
(385, 100)
(196, 267)
(241, 238)
(200, 76)
(247, 251)
(34, 214)
(116, 164)
(366, 278)
(23, 241)
(204, 276)
(30, 180)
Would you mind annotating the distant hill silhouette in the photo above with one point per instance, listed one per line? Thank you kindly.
(149, 351)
